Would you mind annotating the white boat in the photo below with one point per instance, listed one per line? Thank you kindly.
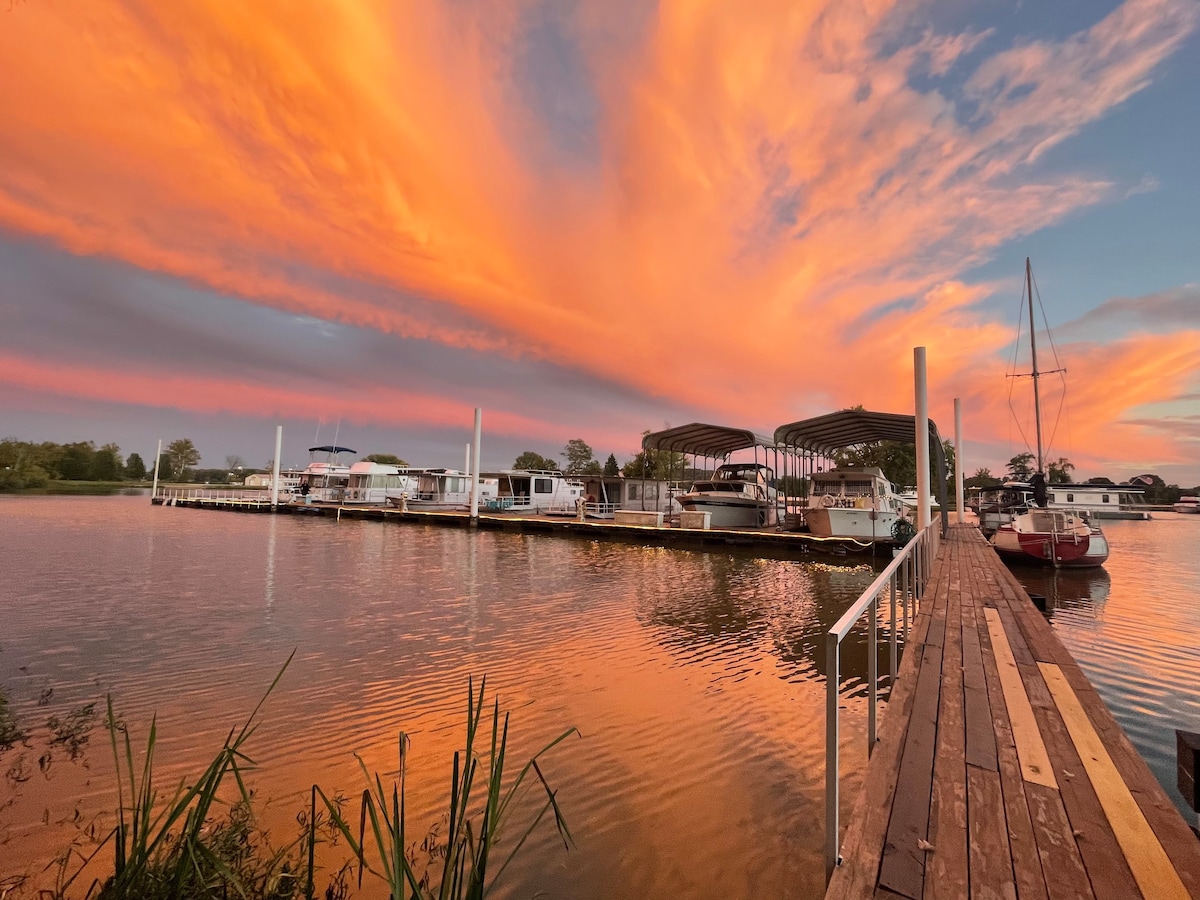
(373, 484)
(1101, 501)
(324, 480)
(535, 491)
(1057, 537)
(853, 502)
(444, 490)
(739, 495)
(1187, 504)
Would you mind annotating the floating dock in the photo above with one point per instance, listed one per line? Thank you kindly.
(999, 771)
(766, 542)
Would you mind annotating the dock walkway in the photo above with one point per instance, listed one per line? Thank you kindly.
(999, 772)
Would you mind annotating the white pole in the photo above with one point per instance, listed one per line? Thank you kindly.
(475, 475)
(958, 462)
(157, 457)
(467, 461)
(275, 470)
(922, 438)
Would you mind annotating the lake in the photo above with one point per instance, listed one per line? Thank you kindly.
(695, 679)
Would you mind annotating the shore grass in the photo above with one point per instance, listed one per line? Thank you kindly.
(202, 838)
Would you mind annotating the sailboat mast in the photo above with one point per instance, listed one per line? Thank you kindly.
(1037, 400)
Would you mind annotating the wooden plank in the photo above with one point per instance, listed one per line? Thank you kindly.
(1067, 879)
(990, 859)
(902, 868)
(1031, 751)
(981, 739)
(946, 865)
(1102, 857)
(1152, 868)
(1027, 865)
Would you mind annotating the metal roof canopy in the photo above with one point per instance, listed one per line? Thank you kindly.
(705, 440)
(850, 427)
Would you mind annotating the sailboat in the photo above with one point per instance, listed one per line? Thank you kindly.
(1038, 534)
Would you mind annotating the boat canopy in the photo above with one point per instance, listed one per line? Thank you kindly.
(827, 434)
(705, 440)
(851, 427)
(331, 449)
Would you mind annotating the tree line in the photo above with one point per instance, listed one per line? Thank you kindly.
(25, 464)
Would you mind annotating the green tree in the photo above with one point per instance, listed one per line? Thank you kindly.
(1020, 467)
(611, 469)
(385, 459)
(983, 478)
(106, 464)
(1101, 479)
(234, 462)
(179, 456)
(531, 460)
(1060, 471)
(580, 459)
(661, 465)
(75, 462)
(135, 467)
(896, 459)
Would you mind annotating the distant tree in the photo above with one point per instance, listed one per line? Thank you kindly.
(234, 462)
(983, 478)
(1020, 467)
(75, 461)
(611, 469)
(106, 464)
(531, 460)
(661, 465)
(179, 456)
(896, 459)
(135, 468)
(580, 459)
(1060, 471)
(385, 459)
(1100, 480)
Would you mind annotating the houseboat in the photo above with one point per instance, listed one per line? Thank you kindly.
(853, 502)
(534, 491)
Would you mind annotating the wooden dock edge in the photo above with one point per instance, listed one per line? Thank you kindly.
(863, 844)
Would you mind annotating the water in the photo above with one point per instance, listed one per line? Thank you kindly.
(1134, 628)
(695, 679)
(691, 677)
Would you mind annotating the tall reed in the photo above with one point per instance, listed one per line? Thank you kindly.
(474, 822)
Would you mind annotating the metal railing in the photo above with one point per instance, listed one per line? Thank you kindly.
(904, 581)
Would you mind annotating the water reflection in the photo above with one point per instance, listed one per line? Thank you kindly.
(1081, 592)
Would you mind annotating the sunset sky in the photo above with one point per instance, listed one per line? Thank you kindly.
(596, 217)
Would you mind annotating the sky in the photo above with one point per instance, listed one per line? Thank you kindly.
(591, 218)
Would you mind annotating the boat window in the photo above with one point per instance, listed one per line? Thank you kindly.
(633, 491)
(543, 486)
(1104, 499)
(1070, 498)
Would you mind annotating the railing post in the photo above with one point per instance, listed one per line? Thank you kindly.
(892, 683)
(872, 674)
(832, 677)
(904, 595)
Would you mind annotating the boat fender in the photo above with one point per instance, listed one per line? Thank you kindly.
(828, 501)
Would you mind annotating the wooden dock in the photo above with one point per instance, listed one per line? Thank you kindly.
(999, 772)
(767, 542)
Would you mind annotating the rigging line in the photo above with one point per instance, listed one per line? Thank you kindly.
(1049, 334)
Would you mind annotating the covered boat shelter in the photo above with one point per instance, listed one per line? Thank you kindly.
(711, 442)
(823, 436)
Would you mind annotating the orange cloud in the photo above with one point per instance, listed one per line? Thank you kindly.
(769, 208)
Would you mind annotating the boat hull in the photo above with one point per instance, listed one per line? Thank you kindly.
(730, 512)
(1066, 551)
(864, 524)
